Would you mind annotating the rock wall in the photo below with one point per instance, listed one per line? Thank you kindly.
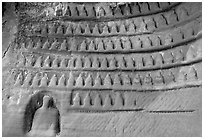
(106, 69)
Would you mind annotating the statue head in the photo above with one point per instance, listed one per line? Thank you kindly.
(46, 100)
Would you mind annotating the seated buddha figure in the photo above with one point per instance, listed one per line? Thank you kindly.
(46, 119)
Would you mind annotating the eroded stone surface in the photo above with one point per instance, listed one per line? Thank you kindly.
(102, 69)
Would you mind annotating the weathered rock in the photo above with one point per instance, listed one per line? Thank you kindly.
(102, 69)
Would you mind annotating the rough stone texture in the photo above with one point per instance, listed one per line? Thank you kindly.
(102, 69)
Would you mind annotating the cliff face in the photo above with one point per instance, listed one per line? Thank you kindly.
(109, 69)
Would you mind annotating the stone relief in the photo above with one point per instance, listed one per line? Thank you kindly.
(102, 69)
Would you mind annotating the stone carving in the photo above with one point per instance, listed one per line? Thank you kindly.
(46, 119)
(104, 69)
(41, 117)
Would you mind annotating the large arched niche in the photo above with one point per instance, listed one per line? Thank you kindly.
(35, 102)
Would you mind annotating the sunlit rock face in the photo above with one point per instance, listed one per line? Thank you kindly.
(102, 69)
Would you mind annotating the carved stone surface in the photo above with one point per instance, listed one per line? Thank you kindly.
(102, 69)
